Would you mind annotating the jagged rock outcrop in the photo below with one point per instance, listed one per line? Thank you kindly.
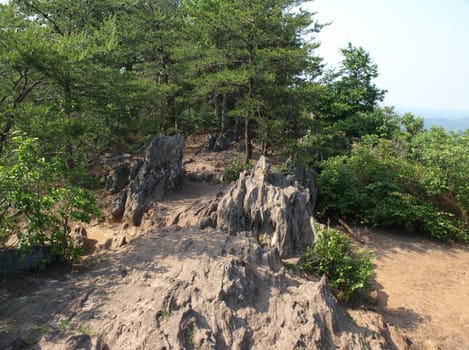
(275, 209)
(184, 289)
(118, 178)
(161, 170)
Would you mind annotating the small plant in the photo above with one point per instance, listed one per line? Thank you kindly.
(87, 331)
(232, 171)
(282, 169)
(333, 256)
(189, 336)
(64, 325)
(289, 265)
(165, 315)
(37, 205)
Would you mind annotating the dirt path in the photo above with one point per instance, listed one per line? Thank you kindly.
(423, 289)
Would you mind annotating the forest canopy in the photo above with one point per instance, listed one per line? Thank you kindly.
(82, 77)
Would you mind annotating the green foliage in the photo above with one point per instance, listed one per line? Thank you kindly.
(332, 255)
(418, 186)
(254, 53)
(232, 171)
(36, 204)
(344, 108)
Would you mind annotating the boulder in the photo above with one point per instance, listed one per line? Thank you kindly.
(275, 209)
(161, 170)
(218, 143)
(78, 236)
(118, 206)
(117, 179)
(14, 261)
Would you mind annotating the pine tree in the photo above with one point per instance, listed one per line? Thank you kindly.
(253, 51)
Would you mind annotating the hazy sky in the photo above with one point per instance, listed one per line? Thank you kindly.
(421, 46)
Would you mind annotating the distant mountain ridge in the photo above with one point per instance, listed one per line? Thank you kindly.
(450, 120)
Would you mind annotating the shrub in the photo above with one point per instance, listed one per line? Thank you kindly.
(379, 184)
(333, 256)
(37, 204)
(232, 171)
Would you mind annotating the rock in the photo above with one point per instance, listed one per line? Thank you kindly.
(119, 241)
(274, 208)
(84, 342)
(222, 143)
(209, 143)
(16, 344)
(161, 170)
(79, 236)
(117, 179)
(217, 143)
(135, 168)
(186, 288)
(15, 260)
(118, 206)
(306, 179)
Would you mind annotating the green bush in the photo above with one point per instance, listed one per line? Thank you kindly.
(36, 204)
(332, 255)
(384, 183)
(232, 171)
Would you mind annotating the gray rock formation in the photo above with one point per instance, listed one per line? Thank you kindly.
(13, 261)
(275, 209)
(117, 179)
(161, 170)
(184, 289)
(118, 206)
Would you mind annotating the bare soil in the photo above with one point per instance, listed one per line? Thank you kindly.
(423, 289)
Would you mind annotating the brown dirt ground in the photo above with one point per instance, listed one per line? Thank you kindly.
(423, 289)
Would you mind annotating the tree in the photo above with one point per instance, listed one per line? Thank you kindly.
(345, 107)
(55, 83)
(253, 51)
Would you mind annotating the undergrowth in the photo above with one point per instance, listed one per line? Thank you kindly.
(348, 272)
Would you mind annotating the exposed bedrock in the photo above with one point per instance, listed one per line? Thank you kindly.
(275, 209)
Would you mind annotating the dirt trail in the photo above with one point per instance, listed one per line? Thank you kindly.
(423, 289)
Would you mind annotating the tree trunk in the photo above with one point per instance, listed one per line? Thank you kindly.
(247, 140)
(70, 163)
(247, 126)
(6, 132)
(218, 113)
(224, 114)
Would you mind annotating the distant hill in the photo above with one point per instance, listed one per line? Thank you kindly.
(450, 120)
(448, 124)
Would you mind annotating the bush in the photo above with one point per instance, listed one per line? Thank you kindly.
(36, 204)
(332, 255)
(380, 184)
(232, 171)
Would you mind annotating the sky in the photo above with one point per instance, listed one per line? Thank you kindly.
(421, 47)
